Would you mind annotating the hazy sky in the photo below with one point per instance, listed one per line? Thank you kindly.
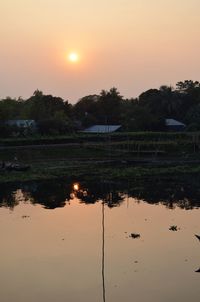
(133, 45)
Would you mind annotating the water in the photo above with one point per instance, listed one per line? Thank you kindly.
(62, 243)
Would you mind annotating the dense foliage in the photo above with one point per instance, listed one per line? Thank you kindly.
(148, 112)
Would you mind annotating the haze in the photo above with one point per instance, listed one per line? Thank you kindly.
(133, 45)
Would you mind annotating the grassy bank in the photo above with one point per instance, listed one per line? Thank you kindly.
(98, 170)
(84, 137)
(119, 156)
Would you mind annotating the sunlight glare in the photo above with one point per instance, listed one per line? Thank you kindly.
(76, 187)
(73, 57)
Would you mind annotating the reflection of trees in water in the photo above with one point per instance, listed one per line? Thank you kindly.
(7, 199)
(95, 192)
(183, 193)
(50, 195)
(11, 198)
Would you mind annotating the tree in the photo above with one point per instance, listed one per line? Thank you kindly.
(128, 110)
(85, 110)
(43, 107)
(10, 108)
(187, 86)
(193, 118)
(109, 106)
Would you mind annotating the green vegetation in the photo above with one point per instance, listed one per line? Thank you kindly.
(55, 116)
(142, 149)
(98, 171)
(109, 157)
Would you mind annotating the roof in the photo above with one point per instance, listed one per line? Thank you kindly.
(172, 122)
(21, 123)
(102, 128)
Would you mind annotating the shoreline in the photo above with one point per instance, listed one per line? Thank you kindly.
(101, 170)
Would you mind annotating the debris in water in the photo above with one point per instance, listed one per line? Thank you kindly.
(173, 228)
(198, 237)
(197, 271)
(134, 235)
(25, 216)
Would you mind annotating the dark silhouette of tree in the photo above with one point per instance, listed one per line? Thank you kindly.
(52, 114)
(86, 111)
(187, 86)
(109, 106)
(99, 109)
(10, 108)
(43, 107)
(147, 112)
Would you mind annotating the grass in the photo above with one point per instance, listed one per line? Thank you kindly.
(84, 137)
(102, 156)
(99, 171)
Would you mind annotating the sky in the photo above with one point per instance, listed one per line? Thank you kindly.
(133, 45)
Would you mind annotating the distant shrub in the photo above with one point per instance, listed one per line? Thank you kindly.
(193, 127)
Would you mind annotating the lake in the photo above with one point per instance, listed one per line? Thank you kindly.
(71, 241)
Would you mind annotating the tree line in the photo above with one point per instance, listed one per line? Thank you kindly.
(148, 112)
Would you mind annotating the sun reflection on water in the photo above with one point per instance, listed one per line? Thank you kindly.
(76, 186)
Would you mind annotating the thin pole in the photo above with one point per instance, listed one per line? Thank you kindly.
(103, 252)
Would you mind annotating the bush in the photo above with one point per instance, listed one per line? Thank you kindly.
(54, 126)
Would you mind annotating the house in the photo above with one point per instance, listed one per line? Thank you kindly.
(21, 123)
(174, 125)
(102, 129)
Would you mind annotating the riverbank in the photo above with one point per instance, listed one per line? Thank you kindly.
(119, 156)
(101, 170)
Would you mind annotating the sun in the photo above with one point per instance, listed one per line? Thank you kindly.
(73, 57)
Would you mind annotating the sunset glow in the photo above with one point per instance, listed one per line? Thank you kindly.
(131, 45)
(100, 145)
(73, 57)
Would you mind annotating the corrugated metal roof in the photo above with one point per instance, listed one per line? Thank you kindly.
(172, 122)
(102, 128)
(21, 123)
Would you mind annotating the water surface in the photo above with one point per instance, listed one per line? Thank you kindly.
(65, 243)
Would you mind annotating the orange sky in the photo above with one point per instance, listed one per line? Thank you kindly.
(133, 45)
